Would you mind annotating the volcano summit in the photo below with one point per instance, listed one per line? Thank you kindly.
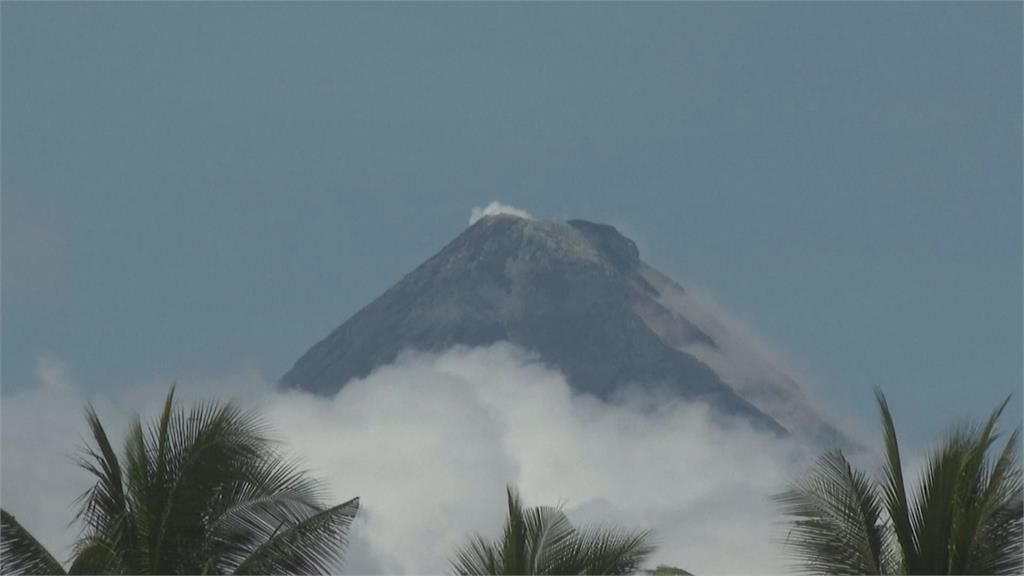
(577, 295)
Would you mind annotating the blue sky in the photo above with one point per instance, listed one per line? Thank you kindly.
(197, 189)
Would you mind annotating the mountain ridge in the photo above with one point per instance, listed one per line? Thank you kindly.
(577, 294)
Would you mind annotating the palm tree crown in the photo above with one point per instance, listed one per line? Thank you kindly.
(196, 492)
(964, 515)
(542, 541)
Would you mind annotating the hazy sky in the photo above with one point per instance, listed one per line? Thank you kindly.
(198, 189)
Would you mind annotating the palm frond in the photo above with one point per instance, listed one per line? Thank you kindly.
(964, 515)
(541, 540)
(138, 472)
(312, 546)
(513, 550)
(94, 556)
(478, 557)
(1003, 477)
(210, 448)
(602, 550)
(997, 544)
(150, 476)
(934, 504)
(202, 491)
(838, 520)
(897, 504)
(548, 532)
(271, 493)
(21, 553)
(104, 508)
(969, 508)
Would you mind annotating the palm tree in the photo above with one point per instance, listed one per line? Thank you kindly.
(197, 492)
(542, 541)
(964, 516)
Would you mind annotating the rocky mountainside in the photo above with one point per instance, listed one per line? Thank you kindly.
(578, 295)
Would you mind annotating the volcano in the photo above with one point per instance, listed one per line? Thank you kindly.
(578, 296)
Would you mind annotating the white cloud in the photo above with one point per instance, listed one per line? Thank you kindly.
(429, 442)
(495, 208)
(39, 432)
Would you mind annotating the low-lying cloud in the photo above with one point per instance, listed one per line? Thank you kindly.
(429, 442)
(495, 208)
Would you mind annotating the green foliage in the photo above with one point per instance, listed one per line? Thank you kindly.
(840, 528)
(20, 552)
(542, 541)
(964, 516)
(196, 492)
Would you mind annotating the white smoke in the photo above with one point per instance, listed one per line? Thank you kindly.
(429, 442)
(495, 208)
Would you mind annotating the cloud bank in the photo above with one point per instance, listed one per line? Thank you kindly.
(429, 442)
(495, 208)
